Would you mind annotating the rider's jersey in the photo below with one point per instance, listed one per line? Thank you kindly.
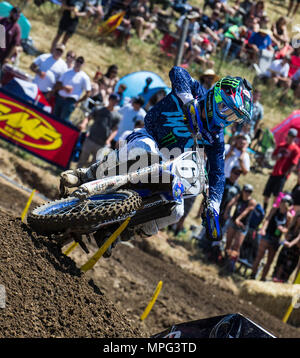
(165, 123)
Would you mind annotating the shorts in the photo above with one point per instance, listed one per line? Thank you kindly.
(236, 228)
(273, 241)
(274, 185)
(68, 25)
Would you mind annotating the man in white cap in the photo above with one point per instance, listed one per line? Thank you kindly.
(287, 156)
(48, 68)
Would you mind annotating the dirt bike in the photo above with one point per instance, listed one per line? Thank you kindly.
(96, 208)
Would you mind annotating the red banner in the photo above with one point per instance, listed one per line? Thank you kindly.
(36, 131)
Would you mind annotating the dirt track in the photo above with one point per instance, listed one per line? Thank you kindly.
(48, 296)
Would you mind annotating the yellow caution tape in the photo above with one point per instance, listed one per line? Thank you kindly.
(287, 314)
(71, 248)
(92, 261)
(27, 205)
(153, 299)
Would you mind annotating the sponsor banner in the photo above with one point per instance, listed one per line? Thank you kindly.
(36, 131)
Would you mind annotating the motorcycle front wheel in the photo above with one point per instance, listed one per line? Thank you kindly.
(81, 215)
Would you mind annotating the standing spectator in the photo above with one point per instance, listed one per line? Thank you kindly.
(102, 132)
(48, 68)
(236, 155)
(110, 79)
(121, 89)
(274, 225)
(70, 59)
(12, 35)
(286, 155)
(131, 113)
(290, 253)
(239, 223)
(70, 87)
(72, 11)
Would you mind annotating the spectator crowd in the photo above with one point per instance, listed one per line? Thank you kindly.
(239, 31)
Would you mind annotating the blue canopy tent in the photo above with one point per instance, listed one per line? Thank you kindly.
(25, 25)
(136, 83)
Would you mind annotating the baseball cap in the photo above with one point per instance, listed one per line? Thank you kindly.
(60, 47)
(248, 187)
(288, 199)
(293, 132)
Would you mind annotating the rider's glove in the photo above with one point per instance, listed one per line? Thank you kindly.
(210, 220)
(72, 178)
(192, 115)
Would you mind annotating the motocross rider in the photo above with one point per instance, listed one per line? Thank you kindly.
(187, 110)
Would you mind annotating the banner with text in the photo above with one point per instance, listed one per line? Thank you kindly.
(36, 131)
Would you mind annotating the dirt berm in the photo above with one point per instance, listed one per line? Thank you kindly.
(46, 294)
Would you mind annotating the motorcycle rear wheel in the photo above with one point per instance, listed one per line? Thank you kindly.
(81, 215)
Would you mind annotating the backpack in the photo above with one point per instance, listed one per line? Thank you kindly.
(256, 217)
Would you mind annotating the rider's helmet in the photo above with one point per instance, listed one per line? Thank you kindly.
(228, 101)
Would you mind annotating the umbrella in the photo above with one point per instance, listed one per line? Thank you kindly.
(136, 83)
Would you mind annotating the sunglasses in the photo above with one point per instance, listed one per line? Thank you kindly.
(71, 56)
(79, 61)
(247, 191)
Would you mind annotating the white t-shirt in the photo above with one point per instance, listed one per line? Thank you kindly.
(79, 81)
(53, 68)
(280, 69)
(129, 117)
(234, 160)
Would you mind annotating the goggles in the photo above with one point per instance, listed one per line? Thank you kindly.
(228, 114)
